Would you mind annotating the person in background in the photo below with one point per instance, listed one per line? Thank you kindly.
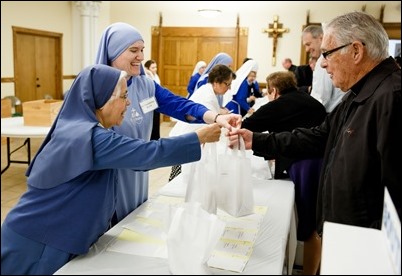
(312, 62)
(246, 59)
(218, 78)
(288, 65)
(398, 61)
(197, 72)
(304, 75)
(151, 70)
(220, 58)
(244, 90)
(122, 47)
(322, 88)
(72, 181)
(259, 100)
(360, 140)
(286, 110)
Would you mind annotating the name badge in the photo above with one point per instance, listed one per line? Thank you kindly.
(149, 105)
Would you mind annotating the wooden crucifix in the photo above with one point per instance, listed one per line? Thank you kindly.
(275, 30)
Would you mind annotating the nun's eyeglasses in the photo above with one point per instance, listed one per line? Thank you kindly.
(124, 96)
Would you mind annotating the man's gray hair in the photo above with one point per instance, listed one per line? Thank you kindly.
(314, 30)
(362, 27)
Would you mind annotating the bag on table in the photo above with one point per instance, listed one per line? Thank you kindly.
(192, 236)
(235, 189)
(202, 179)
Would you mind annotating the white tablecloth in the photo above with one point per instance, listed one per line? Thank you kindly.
(14, 127)
(352, 250)
(274, 247)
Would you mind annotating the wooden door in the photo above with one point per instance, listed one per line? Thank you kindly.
(177, 63)
(177, 49)
(37, 64)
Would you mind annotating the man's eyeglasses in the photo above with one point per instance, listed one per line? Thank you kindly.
(327, 53)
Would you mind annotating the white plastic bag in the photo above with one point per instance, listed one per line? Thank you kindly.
(202, 179)
(192, 236)
(235, 190)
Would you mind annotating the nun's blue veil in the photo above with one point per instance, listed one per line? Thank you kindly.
(116, 38)
(67, 149)
(220, 58)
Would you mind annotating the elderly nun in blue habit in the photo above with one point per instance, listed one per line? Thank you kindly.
(71, 195)
(195, 76)
(122, 47)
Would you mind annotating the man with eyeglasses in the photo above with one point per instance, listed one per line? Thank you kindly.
(322, 88)
(360, 140)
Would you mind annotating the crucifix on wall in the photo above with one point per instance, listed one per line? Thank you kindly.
(275, 30)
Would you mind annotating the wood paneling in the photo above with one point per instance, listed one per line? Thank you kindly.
(177, 49)
(393, 30)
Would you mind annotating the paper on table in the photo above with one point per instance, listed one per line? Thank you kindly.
(146, 236)
(236, 245)
(130, 242)
(227, 261)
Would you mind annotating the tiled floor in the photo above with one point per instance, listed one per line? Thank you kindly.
(13, 180)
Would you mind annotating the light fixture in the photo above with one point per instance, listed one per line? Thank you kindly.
(210, 13)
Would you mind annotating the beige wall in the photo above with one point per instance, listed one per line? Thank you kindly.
(56, 16)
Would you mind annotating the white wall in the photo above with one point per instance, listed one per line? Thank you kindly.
(53, 16)
(56, 16)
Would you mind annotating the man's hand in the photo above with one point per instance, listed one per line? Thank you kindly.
(233, 137)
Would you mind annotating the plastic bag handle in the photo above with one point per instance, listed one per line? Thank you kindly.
(240, 147)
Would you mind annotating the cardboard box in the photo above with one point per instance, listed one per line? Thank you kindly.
(5, 108)
(40, 112)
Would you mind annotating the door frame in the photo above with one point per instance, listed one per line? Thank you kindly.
(59, 60)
